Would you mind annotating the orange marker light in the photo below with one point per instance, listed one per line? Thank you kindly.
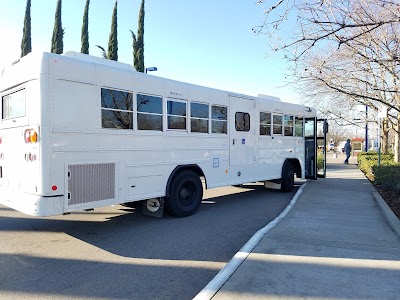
(33, 137)
(30, 136)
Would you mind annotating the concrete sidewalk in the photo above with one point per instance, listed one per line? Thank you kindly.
(334, 244)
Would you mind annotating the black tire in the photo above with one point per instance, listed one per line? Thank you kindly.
(185, 194)
(287, 180)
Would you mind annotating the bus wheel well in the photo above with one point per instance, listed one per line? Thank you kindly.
(194, 168)
(295, 164)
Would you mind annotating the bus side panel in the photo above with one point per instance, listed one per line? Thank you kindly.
(73, 140)
(269, 157)
(154, 156)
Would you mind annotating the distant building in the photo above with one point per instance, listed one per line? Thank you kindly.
(357, 145)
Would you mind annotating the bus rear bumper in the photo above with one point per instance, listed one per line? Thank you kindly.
(34, 205)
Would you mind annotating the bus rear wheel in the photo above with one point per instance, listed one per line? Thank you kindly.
(287, 180)
(185, 194)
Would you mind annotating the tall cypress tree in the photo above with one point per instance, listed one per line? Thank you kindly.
(58, 32)
(134, 41)
(26, 45)
(113, 40)
(138, 43)
(85, 30)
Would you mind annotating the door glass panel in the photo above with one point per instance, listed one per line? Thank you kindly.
(322, 148)
(310, 148)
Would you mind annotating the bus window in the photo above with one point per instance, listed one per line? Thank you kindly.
(116, 109)
(199, 117)
(242, 121)
(298, 126)
(265, 123)
(14, 105)
(277, 124)
(149, 112)
(176, 114)
(219, 117)
(309, 130)
(288, 123)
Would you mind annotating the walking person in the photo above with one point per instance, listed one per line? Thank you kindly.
(347, 150)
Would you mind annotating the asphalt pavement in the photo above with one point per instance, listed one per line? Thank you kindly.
(115, 252)
(338, 240)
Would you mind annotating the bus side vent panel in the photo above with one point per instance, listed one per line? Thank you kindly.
(90, 183)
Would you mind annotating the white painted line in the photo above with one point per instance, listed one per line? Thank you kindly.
(219, 280)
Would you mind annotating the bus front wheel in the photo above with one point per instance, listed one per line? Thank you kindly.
(287, 180)
(185, 194)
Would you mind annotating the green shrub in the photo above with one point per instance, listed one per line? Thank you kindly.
(368, 160)
(320, 161)
(387, 176)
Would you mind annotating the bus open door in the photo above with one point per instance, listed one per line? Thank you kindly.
(315, 131)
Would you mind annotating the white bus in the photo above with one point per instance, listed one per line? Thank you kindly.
(79, 132)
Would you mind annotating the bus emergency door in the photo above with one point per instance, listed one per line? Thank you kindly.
(242, 149)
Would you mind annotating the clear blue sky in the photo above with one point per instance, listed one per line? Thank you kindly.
(207, 42)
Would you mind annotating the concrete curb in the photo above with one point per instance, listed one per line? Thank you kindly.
(391, 218)
(223, 276)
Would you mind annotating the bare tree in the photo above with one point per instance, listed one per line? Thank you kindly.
(343, 53)
(320, 21)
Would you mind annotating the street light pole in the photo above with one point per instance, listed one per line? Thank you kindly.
(382, 113)
(379, 142)
(366, 128)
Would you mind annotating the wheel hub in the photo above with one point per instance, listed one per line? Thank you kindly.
(184, 193)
